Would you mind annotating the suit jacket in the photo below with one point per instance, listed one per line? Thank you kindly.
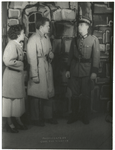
(84, 56)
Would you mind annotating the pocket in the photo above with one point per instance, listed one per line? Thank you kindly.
(87, 51)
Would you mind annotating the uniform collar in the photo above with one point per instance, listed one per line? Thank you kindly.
(83, 37)
(41, 34)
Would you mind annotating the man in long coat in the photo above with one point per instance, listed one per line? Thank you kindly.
(83, 66)
(40, 85)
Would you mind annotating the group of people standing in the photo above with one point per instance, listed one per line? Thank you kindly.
(83, 63)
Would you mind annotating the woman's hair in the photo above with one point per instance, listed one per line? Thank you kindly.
(14, 31)
(41, 22)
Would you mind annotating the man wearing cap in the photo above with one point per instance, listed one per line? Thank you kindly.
(83, 63)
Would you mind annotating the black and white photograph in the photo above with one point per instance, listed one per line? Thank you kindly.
(57, 74)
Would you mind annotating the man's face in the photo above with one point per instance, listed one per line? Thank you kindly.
(83, 27)
(46, 28)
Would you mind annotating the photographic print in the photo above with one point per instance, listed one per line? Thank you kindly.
(57, 75)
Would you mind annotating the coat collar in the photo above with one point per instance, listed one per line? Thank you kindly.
(41, 34)
(18, 43)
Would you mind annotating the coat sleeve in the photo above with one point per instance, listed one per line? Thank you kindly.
(32, 57)
(10, 58)
(71, 54)
(96, 56)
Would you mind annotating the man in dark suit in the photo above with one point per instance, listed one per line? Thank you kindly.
(83, 63)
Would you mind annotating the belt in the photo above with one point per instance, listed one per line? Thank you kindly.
(13, 69)
(46, 57)
(41, 56)
(83, 60)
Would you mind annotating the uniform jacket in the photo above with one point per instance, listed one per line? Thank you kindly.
(37, 48)
(13, 77)
(84, 56)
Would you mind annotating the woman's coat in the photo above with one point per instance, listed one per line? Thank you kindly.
(13, 77)
(37, 48)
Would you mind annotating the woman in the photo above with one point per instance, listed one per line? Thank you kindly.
(13, 79)
(40, 85)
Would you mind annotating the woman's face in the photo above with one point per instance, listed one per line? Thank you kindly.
(22, 35)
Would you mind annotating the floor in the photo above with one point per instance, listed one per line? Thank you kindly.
(96, 135)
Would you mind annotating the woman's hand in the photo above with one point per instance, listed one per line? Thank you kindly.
(35, 80)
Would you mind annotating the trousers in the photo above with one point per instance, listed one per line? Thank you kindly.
(81, 89)
(40, 108)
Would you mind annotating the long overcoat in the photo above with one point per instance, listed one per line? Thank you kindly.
(38, 48)
(13, 77)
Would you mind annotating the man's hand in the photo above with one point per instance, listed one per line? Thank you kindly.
(93, 76)
(51, 55)
(35, 80)
(67, 74)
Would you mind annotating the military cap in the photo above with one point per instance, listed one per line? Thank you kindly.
(83, 19)
(85, 13)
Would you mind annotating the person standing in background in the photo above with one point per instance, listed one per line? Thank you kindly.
(83, 63)
(13, 80)
(40, 85)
